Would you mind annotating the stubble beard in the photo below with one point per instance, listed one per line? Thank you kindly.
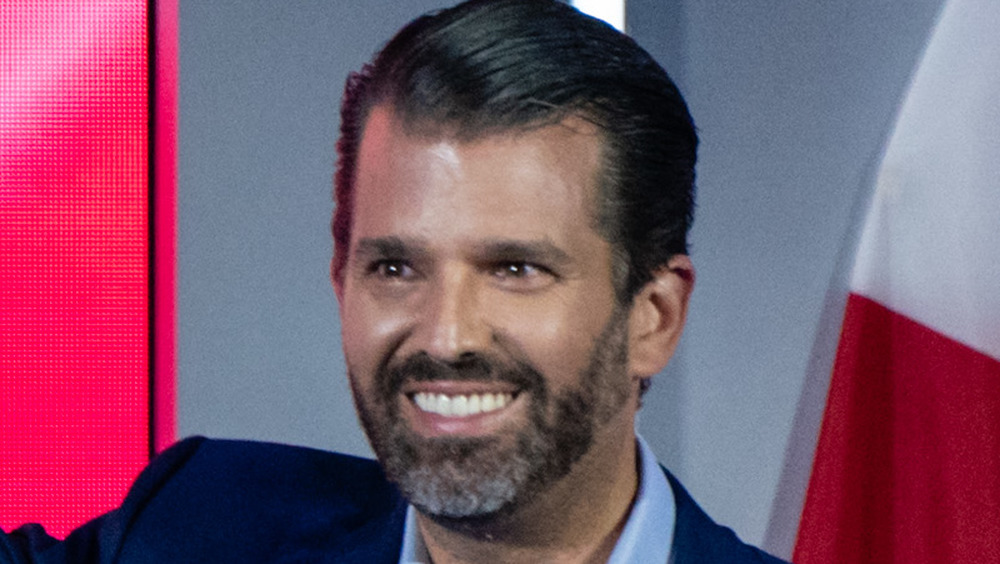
(470, 478)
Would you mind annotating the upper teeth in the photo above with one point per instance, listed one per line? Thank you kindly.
(460, 406)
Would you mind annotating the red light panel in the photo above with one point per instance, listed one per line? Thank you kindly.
(74, 258)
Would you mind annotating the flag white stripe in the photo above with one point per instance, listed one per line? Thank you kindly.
(930, 248)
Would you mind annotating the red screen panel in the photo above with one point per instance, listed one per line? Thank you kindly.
(164, 200)
(74, 257)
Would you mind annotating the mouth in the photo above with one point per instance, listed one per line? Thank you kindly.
(461, 405)
(448, 408)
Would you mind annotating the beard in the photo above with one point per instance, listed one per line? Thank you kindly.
(479, 477)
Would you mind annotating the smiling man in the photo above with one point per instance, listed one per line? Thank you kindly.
(513, 195)
(494, 369)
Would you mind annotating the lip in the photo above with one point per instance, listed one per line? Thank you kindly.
(433, 425)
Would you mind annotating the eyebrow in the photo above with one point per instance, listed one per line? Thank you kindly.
(391, 246)
(539, 251)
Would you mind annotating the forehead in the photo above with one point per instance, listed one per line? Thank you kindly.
(531, 182)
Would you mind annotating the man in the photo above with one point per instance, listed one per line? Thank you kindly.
(514, 191)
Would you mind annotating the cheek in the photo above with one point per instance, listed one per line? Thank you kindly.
(368, 335)
(556, 341)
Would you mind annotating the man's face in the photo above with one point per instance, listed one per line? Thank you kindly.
(486, 351)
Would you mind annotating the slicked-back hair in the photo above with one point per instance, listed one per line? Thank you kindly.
(495, 66)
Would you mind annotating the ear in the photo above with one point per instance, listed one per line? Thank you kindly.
(657, 317)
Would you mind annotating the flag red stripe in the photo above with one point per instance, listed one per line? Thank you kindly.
(907, 465)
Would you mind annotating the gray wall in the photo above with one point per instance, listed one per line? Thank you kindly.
(792, 99)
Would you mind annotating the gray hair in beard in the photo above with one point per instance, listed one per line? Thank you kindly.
(478, 477)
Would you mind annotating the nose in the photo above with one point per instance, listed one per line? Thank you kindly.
(452, 323)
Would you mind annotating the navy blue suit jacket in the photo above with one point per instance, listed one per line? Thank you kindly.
(235, 501)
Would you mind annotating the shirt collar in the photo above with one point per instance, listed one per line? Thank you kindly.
(649, 531)
(647, 536)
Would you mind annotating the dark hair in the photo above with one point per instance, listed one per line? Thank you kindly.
(489, 66)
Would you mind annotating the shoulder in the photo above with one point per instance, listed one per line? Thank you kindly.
(201, 462)
(699, 539)
(200, 470)
(244, 500)
(236, 501)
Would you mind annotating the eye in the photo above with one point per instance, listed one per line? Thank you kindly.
(392, 269)
(521, 276)
(516, 270)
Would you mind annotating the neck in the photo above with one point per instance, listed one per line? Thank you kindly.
(578, 519)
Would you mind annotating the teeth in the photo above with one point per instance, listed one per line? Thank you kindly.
(461, 406)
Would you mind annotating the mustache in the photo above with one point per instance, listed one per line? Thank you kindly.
(421, 367)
